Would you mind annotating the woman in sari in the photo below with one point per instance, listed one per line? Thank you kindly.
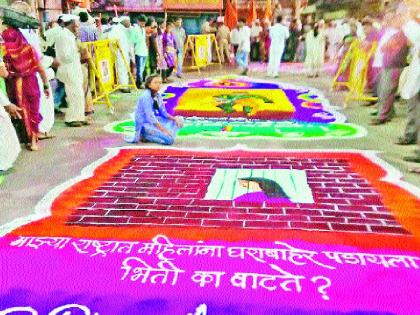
(153, 122)
(153, 48)
(161, 62)
(23, 64)
(315, 42)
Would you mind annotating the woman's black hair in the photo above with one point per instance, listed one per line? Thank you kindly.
(142, 18)
(316, 29)
(268, 186)
(149, 80)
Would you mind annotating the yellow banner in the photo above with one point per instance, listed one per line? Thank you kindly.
(201, 50)
(104, 62)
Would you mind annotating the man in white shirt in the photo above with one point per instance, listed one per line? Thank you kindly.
(138, 38)
(244, 46)
(70, 71)
(278, 35)
(234, 39)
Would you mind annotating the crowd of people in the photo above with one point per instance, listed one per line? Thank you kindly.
(53, 65)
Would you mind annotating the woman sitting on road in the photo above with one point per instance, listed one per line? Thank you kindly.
(153, 123)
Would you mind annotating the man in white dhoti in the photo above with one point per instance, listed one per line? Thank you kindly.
(10, 146)
(70, 71)
(278, 35)
(46, 108)
(120, 32)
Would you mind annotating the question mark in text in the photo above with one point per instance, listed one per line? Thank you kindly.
(322, 288)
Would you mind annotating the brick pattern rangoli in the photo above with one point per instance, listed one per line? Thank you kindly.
(174, 190)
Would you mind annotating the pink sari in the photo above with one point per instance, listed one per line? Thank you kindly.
(22, 84)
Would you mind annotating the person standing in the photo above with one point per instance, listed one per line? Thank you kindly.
(333, 38)
(391, 56)
(315, 50)
(169, 49)
(278, 35)
(180, 38)
(234, 39)
(256, 31)
(22, 84)
(223, 39)
(410, 87)
(293, 40)
(46, 105)
(70, 71)
(153, 47)
(119, 32)
(51, 35)
(372, 37)
(161, 61)
(244, 48)
(265, 41)
(88, 33)
(138, 37)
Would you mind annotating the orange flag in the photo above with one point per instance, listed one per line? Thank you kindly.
(252, 13)
(231, 15)
(268, 13)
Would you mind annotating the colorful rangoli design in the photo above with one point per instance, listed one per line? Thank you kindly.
(233, 97)
(168, 231)
(237, 107)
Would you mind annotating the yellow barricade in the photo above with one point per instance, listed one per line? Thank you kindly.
(201, 47)
(344, 65)
(356, 60)
(103, 76)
